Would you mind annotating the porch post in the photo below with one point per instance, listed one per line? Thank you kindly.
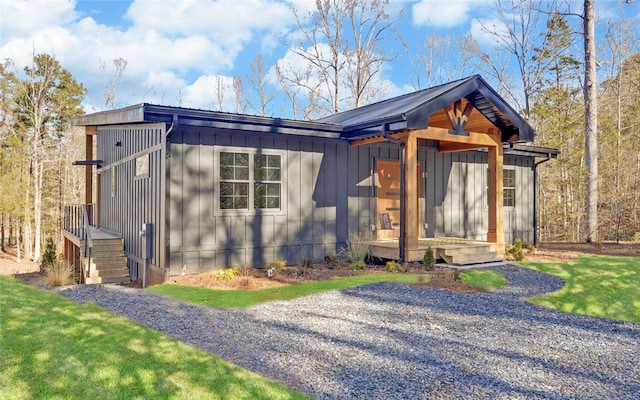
(495, 233)
(411, 193)
(90, 131)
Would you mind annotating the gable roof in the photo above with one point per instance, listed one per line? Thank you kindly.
(412, 111)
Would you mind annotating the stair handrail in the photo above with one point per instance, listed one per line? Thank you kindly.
(88, 240)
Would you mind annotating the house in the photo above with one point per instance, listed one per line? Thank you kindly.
(183, 191)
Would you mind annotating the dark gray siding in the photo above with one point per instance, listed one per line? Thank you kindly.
(135, 200)
(456, 196)
(312, 221)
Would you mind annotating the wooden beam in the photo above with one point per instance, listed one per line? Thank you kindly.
(90, 131)
(447, 147)
(379, 139)
(443, 135)
(411, 193)
(495, 233)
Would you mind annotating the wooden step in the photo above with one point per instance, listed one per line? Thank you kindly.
(468, 254)
(99, 280)
(108, 263)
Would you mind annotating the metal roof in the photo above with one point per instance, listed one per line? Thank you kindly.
(145, 113)
(409, 111)
(412, 110)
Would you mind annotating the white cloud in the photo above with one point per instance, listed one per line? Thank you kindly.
(167, 45)
(445, 14)
(20, 18)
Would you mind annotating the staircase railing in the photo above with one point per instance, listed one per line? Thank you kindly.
(78, 219)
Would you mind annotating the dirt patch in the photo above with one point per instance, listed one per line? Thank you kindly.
(570, 251)
(26, 270)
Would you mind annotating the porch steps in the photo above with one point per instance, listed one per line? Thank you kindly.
(477, 253)
(107, 263)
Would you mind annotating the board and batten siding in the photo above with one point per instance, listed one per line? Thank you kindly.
(316, 201)
(126, 200)
(457, 201)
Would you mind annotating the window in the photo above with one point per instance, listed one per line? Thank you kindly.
(509, 188)
(250, 182)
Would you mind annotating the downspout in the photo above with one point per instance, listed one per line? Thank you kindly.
(163, 229)
(535, 198)
(401, 239)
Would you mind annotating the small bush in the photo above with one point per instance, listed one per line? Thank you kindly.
(276, 265)
(48, 256)
(332, 261)
(515, 250)
(358, 245)
(358, 265)
(58, 274)
(306, 263)
(429, 260)
(393, 266)
(227, 274)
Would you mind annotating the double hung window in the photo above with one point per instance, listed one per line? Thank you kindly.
(250, 181)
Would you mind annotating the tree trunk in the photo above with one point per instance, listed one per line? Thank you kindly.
(591, 123)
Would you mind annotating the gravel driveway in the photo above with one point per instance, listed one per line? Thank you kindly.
(394, 341)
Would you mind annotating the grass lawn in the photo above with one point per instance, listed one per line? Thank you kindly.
(600, 286)
(52, 348)
(246, 298)
(486, 279)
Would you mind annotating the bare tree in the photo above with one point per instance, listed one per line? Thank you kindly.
(238, 90)
(442, 59)
(518, 34)
(338, 61)
(221, 85)
(111, 81)
(259, 85)
(591, 120)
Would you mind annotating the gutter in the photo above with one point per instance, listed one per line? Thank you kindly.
(401, 240)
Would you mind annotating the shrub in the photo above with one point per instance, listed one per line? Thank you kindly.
(58, 274)
(429, 260)
(276, 265)
(358, 245)
(227, 274)
(515, 250)
(393, 266)
(358, 265)
(48, 256)
(332, 261)
(306, 263)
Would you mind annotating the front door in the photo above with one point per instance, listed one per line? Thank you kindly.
(388, 200)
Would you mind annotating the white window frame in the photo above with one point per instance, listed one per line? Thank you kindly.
(251, 210)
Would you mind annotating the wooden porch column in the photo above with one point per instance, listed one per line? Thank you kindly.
(411, 192)
(89, 131)
(496, 211)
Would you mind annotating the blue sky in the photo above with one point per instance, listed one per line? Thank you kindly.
(177, 50)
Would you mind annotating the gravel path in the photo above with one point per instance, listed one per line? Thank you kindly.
(394, 341)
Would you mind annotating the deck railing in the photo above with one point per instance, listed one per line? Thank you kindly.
(78, 217)
(77, 220)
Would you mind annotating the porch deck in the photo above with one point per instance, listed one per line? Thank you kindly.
(454, 251)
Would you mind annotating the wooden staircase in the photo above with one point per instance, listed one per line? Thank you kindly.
(106, 262)
(466, 254)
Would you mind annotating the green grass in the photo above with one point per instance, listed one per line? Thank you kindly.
(486, 279)
(51, 348)
(246, 298)
(595, 285)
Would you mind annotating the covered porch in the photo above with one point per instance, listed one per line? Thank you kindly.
(461, 116)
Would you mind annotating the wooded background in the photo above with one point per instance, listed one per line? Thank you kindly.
(580, 95)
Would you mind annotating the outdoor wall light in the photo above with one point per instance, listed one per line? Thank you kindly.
(118, 143)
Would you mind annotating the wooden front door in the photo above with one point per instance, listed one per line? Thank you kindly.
(388, 200)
